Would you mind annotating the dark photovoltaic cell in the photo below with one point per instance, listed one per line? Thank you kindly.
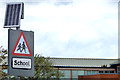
(13, 15)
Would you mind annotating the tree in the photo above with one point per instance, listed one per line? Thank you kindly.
(3, 53)
(44, 68)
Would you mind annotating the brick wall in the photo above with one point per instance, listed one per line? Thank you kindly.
(100, 77)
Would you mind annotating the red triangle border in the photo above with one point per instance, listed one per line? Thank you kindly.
(21, 54)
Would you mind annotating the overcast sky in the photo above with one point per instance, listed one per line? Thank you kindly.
(69, 28)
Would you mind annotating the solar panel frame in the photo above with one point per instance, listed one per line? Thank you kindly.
(7, 22)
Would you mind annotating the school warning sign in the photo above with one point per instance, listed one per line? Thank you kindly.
(21, 47)
(20, 53)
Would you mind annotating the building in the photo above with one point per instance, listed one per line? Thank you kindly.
(72, 68)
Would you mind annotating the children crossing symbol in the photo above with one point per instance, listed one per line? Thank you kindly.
(21, 47)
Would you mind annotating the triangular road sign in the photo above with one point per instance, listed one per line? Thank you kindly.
(21, 47)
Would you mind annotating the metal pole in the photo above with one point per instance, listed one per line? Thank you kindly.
(17, 28)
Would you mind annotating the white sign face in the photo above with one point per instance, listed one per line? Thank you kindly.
(21, 63)
(22, 47)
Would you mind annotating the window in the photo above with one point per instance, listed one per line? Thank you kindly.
(62, 72)
(111, 71)
(89, 72)
(118, 69)
(103, 72)
(94, 72)
(76, 73)
(74, 76)
(107, 72)
(66, 73)
(80, 72)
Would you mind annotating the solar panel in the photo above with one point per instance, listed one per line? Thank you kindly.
(14, 12)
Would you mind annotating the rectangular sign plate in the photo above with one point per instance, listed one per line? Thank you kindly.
(21, 53)
(21, 63)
